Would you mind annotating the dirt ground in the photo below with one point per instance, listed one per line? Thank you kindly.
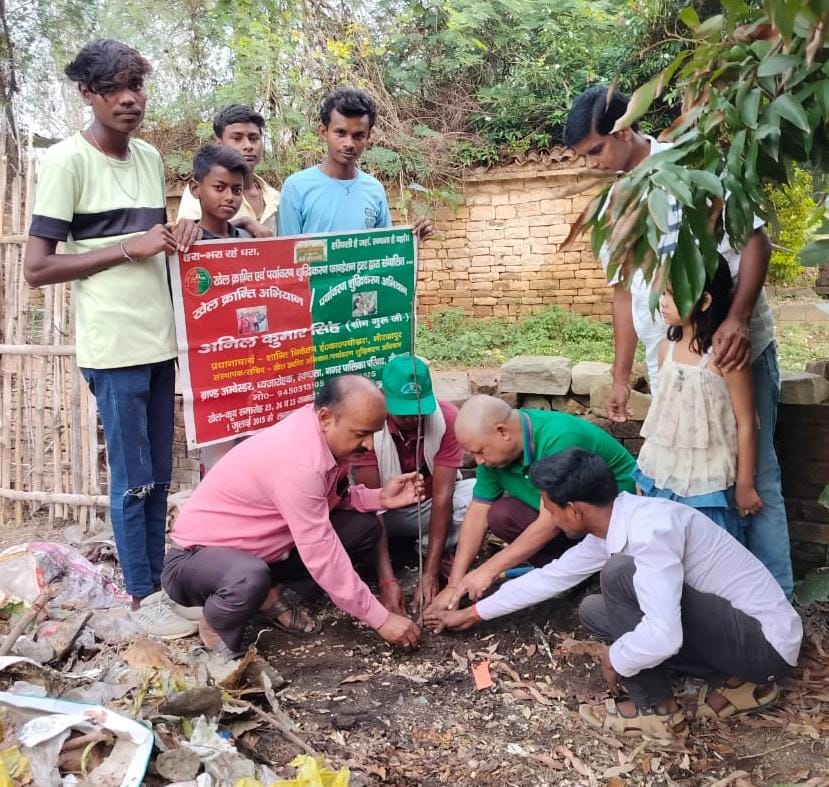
(417, 719)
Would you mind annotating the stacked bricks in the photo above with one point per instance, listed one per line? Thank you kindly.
(185, 461)
(802, 441)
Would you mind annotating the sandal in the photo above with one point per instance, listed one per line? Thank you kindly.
(646, 721)
(296, 626)
(738, 699)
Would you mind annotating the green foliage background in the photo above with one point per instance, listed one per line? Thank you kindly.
(459, 82)
(794, 207)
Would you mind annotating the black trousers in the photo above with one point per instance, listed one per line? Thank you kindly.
(718, 641)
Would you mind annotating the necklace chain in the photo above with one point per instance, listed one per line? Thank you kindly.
(114, 171)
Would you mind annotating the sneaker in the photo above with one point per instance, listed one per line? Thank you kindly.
(162, 622)
(161, 598)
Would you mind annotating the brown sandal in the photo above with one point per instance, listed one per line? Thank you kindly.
(296, 626)
(646, 721)
(738, 699)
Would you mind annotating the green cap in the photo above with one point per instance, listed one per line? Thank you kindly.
(403, 381)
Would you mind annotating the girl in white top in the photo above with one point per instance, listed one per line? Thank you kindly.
(700, 438)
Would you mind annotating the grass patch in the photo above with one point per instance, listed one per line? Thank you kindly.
(453, 339)
(801, 342)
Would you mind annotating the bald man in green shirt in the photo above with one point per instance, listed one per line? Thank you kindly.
(504, 443)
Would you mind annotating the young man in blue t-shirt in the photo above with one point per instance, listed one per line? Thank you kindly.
(335, 196)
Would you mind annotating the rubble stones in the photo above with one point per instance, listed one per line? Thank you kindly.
(451, 387)
(533, 402)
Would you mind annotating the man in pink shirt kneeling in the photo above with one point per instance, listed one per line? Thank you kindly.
(278, 507)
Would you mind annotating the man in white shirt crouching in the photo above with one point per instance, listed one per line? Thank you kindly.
(678, 593)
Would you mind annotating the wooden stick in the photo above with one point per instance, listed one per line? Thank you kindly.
(73, 499)
(57, 382)
(37, 349)
(289, 735)
(58, 332)
(75, 456)
(22, 624)
(48, 376)
(17, 335)
(61, 498)
(5, 298)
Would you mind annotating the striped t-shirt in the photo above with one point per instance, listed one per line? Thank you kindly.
(123, 315)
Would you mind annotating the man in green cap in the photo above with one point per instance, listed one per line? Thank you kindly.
(407, 386)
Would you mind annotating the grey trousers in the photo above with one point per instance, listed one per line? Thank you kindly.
(718, 641)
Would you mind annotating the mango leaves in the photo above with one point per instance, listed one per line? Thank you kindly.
(755, 101)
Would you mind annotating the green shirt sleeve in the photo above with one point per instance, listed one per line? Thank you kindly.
(55, 199)
(487, 486)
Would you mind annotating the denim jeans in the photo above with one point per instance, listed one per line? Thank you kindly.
(767, 533)
(136, 405)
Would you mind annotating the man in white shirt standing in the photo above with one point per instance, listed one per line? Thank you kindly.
(677, 593)
(746, 336)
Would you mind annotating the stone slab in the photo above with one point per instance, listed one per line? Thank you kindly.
(638, 404)
(586, 374)
(803, 388)
(451, 386)
(548, 375)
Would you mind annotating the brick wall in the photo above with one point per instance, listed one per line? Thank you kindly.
(802, 441)
(498, 253)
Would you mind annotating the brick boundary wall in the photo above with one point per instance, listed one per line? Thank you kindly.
(498, 253)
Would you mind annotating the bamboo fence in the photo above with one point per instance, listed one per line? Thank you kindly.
(52, 461)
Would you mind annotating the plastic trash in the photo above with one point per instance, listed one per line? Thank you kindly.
(115, 625)
(42, 736)
(27, 569)
(311, 772)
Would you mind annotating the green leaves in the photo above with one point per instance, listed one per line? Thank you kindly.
(777, 64)
(754, 103)
(687, 272)
(659, 209)
(748, 106)
(786, 106)
(640, 102)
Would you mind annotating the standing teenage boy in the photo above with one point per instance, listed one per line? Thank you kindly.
(745, 337)
(101, 193)
(336, 196)
(242, 128)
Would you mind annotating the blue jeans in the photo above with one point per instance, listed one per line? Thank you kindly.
(136, 405)
(767, 533)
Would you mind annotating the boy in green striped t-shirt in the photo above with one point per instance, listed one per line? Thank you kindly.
(102, 194)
